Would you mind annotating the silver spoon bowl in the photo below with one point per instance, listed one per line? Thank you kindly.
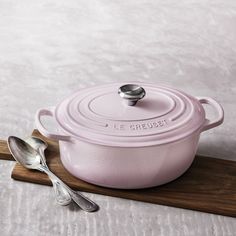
(37, 144)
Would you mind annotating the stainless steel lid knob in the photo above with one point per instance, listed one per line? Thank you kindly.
(131, 93)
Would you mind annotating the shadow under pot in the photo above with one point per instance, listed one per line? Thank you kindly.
(129, 136)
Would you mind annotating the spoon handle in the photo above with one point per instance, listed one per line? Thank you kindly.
(62, 195)
(83, 202)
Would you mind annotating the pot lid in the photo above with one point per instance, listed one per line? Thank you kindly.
(130, 115)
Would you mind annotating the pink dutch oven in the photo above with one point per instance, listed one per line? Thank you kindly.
(130, 136)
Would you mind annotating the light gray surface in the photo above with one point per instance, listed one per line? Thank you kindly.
(48, 49)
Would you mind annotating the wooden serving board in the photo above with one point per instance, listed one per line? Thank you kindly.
(208, 186)
(4, 152)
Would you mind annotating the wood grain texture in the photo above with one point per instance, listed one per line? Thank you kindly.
(5, 153)
(208, 186)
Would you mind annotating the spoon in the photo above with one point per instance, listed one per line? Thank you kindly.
(30, 158)
(62, 195)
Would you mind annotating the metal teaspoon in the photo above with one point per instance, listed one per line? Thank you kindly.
(29, 158)
(62, 195)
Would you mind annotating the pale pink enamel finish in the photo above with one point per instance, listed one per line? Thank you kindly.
(128, 168)
(106, 142)
(101, 116)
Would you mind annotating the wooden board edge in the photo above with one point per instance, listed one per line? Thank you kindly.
(4, 151)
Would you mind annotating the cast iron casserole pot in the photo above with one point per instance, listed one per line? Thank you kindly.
(129, 136)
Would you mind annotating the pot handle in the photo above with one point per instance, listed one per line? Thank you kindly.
(38, 122)
(209, 124)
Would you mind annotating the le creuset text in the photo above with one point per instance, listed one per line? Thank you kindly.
(140, 126)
